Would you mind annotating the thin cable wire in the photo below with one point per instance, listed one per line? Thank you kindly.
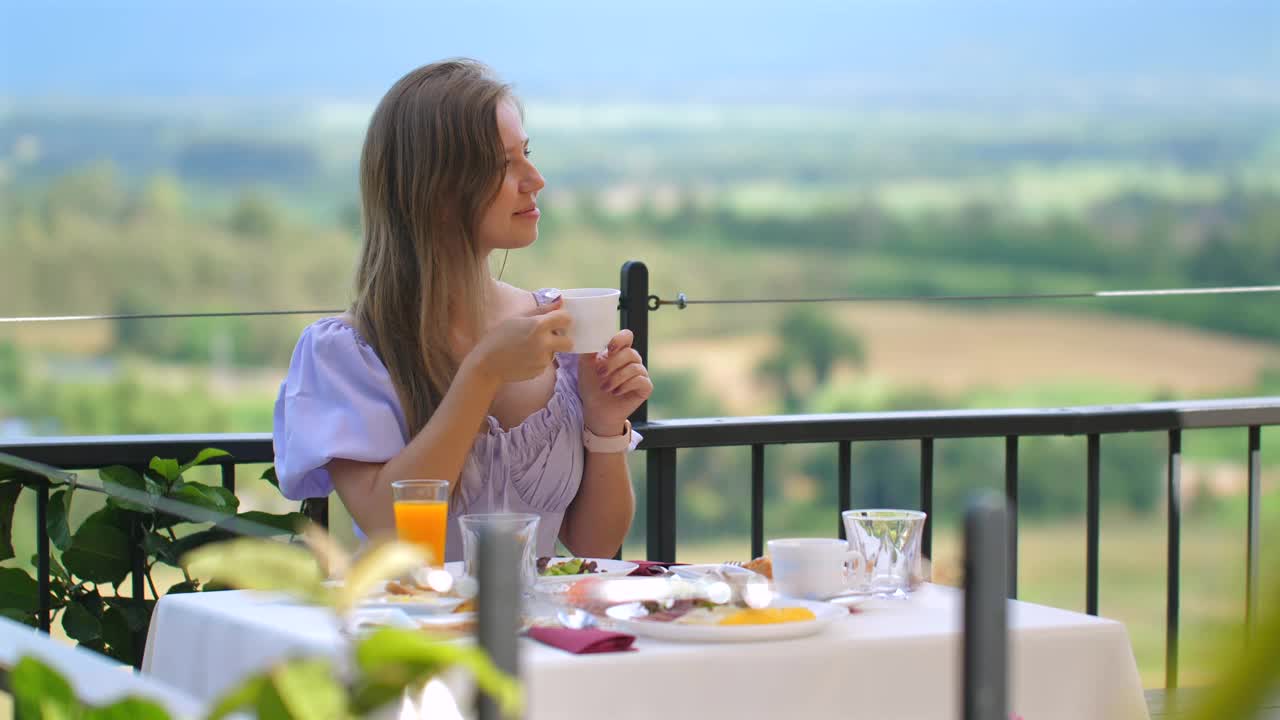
(164, 316)
(682, 301)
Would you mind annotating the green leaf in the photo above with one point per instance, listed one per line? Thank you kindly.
(384, 561)
(99, 549)
(18, 616)
(56, 520)
(270, 476)
(18, 590)
(308, 689)
(159, 547)
(128, 489)
(127, 709)
(191, 541)
(136, 614)
(219, 500)
(286, 524)
(39, 691)
(390, 658)
(8, 501)
(81, 624)
(118, 635)
(257, 564)
(246, 694)
(167, 469)
(187, 586)
(202, 457)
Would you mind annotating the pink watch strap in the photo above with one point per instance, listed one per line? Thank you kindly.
(618, 443)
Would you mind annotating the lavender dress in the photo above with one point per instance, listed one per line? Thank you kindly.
(338, 402)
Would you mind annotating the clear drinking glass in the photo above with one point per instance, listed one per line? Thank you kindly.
(422, 515)
(522, 526)
(885, 551)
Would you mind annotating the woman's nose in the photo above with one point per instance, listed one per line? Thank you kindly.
(533, 181)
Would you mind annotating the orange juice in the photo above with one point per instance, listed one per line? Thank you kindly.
(423, 522)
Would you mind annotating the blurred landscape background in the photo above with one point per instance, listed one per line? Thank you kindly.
(164, 159)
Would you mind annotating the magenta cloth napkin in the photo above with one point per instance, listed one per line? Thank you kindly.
(648, 567)
(586, 640)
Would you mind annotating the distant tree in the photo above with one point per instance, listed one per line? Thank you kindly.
(254, 215)
(810, 344)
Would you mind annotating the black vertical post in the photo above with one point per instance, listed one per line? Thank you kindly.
(1092, 524)
(660, 477)
(229, 476)
(926, 494)
(45, 611)
(757, 500)
(138, 563)
(633, 315)
(844, 477)
(498, 607)
(1251, 560)
(1011, 495)
(986, 645)
(1174, 545)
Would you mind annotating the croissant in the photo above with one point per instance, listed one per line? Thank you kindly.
(761, 565)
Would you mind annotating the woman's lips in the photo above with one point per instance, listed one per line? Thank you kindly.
(530, 214)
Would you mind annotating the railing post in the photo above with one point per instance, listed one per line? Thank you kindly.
(229, 476)
(1011, 497)
(1093, 523)
(1175, 551)
(660, 477)
(1254, 524)
(926, 495)
(44, 611)
(757, 500)
(633, 315)
(986, 644)
(844, 478)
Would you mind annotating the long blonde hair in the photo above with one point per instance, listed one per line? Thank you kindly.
(432, 162)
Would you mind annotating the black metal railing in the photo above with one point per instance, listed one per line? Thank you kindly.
(665, 438)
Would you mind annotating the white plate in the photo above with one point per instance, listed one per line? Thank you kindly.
(694, 572)
(603, 567)
(425, 603)
(824, 614)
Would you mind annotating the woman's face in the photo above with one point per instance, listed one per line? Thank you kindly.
(511, 220)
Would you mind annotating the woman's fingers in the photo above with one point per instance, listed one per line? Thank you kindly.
(618, 360)
(622, 376)
(640, 388)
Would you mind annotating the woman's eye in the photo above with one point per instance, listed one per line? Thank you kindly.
(527, 152)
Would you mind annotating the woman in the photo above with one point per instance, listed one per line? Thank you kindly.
(440, 370)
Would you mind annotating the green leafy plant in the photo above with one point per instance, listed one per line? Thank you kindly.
(383, 666)
(89, 565)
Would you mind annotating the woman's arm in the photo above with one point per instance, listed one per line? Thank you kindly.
(611, 388)
(438, 452)
(600, 515)
(517, 349)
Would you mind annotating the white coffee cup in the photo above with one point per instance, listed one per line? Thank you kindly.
(809, 568)
(595, 317)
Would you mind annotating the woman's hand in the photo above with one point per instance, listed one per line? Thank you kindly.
(612, 387)
(521, 347)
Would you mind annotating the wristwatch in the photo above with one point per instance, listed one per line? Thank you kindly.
(618, 443)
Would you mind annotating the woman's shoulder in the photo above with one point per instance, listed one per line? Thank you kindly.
(331, 332)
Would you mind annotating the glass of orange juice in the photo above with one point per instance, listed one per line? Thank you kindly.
(422, 514)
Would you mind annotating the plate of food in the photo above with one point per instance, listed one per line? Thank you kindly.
(560, 570)
(415, 598)
(701, 621)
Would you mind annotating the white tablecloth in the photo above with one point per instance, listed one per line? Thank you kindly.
(894, 659)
